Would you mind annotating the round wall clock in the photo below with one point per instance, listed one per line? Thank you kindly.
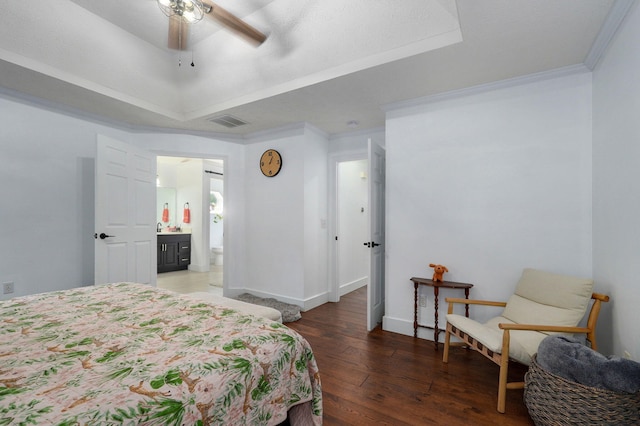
(270, 163)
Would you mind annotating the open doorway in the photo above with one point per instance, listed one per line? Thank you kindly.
(352, 225)
(216, 229)
(351, 177)
(188, 213)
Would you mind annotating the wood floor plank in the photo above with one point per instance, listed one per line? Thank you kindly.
(385, 378)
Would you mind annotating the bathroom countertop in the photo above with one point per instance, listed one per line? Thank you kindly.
(173, 232)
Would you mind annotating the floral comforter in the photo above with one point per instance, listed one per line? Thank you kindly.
(133, 354)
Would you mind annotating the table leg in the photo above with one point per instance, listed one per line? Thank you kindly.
(415, 309)
(436, 330)
(466, 306)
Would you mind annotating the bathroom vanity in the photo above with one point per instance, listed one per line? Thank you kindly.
(174, 251)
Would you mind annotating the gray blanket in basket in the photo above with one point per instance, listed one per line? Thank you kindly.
(574, 361)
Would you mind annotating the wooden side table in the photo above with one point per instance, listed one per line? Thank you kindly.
(436, 289)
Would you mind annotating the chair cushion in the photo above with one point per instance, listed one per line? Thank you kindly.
(522, 346)
(549, 299)
(489, 337)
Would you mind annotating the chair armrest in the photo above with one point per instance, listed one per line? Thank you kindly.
(454, 300)
(547, 328)
(474, 302)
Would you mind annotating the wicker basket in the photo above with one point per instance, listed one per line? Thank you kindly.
(554, 400)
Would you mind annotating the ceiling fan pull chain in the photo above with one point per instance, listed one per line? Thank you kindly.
(180, 44)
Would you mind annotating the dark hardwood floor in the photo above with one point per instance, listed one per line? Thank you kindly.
(388, 378)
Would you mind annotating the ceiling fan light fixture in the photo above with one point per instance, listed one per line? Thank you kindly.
(190, 10)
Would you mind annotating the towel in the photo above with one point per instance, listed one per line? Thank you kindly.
(572, 360)
(186, 217)
(165, 213)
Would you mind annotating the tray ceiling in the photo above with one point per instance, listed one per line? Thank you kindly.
(326, 62)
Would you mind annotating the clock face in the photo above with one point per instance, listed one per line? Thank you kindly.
(270, 163)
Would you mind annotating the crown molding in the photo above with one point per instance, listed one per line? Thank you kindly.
(59, 108)
(488, 87)
(356, 133)
(612, 23)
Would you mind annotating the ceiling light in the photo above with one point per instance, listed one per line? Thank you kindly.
(190, 10)
(352, 124)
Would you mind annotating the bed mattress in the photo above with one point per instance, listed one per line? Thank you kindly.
(132, 354)
(244, 307)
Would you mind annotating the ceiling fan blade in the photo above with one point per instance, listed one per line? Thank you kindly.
(178, 33)
(234, 23)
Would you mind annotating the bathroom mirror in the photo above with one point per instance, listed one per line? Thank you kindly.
(166, 196)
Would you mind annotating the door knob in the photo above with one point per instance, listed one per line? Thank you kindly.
(374, 244)
(102, 236)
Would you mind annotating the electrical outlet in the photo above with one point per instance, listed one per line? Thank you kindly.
(627, 355)
(423, 301)
(7, 288)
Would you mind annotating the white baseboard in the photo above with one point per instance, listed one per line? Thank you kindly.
(199, 268)
(305, 304)
(315, 301)
(402, 326)
(353, 285)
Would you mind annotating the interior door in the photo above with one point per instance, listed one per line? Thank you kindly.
(375, 289)
(125, 223)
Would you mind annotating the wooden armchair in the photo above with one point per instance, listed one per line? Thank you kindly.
(542, 304)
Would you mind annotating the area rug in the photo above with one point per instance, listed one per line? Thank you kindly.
(290, 313)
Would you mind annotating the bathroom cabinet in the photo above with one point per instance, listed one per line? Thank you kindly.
(174, 252)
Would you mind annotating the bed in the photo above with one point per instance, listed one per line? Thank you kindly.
(242, 307)
(129, 353)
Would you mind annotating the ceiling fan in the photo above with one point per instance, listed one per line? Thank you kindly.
(182, 13)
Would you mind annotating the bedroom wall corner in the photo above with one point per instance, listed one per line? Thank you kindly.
(616, 188)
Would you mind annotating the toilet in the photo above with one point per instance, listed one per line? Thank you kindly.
(216, 256)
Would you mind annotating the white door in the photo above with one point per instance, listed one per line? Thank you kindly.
(375, 289)
(125, 223)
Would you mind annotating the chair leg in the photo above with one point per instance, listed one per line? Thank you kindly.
(502, 384)
(504, 371)
(445, 351)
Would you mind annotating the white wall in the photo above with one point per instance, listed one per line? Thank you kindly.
(616, 186)
(167, 173)
(488, 184)
(355, 142)
(275, 229)
(316, 233)
(286, 246)
(47, 177)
